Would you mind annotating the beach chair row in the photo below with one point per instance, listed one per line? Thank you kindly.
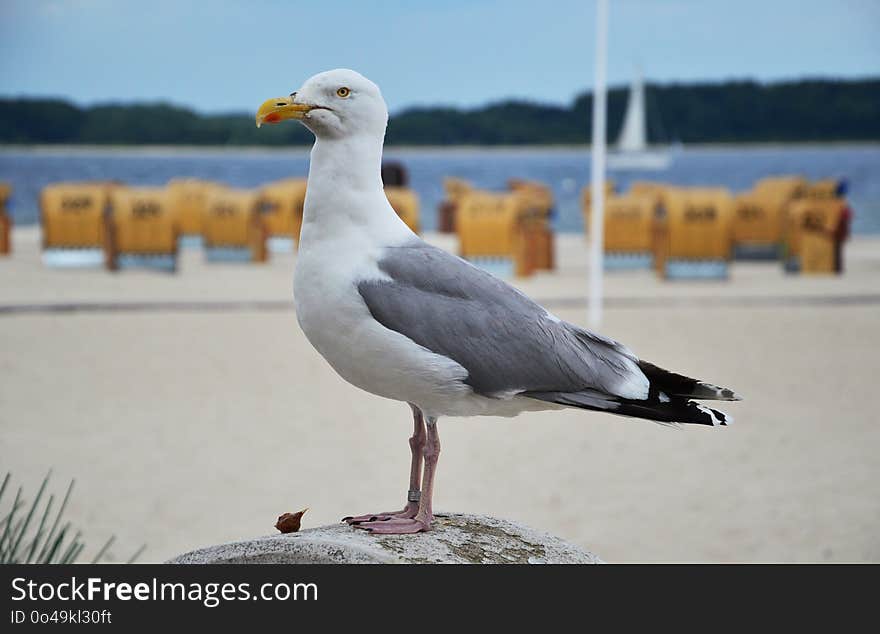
(94, 223)
(801, 223)
(694, 232)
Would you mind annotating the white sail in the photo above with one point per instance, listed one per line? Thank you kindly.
(633, 136)
(631, 151)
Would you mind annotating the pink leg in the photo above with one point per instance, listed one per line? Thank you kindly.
(416, 445)
(424, 517)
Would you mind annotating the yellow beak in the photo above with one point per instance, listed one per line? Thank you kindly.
(279, 109)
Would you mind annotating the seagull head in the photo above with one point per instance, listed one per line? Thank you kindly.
(333, 104)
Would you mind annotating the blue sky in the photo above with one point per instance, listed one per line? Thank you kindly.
(228, 56)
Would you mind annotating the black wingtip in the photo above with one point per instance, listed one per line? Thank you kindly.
(715, 393)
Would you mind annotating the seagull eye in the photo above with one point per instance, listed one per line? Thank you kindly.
(343, 92)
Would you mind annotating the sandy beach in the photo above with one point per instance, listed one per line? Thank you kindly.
(191, 410)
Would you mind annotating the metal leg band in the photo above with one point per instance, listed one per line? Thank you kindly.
(414, 495)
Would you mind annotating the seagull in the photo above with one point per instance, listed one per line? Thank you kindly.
(402, 319)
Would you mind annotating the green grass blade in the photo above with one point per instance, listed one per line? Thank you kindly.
(49, 537)
(40, 531)
(77, 553)
(5, 482)
(11, 513)
(104, 549)
(8, 555)
(7, 530)
(70, 553)
(55, 545)
(16, 543)
(8, 523)
(23, 542)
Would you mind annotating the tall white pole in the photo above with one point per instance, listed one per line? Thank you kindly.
(597, 166)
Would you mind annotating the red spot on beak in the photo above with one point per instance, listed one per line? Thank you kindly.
(272, 117)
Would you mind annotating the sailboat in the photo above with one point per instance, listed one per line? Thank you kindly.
(631, 151)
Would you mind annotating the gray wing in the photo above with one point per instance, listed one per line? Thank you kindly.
(506, 342)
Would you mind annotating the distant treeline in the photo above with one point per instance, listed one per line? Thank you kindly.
(735, 111)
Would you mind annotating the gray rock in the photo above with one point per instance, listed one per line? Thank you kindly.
(455, 539)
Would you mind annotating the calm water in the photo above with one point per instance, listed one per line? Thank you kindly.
(566, 170)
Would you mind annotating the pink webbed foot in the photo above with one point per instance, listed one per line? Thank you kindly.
(416, 517)
(408, 512)
(396, 526)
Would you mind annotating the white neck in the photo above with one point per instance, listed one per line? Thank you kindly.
(345, 195)
(350, 163)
